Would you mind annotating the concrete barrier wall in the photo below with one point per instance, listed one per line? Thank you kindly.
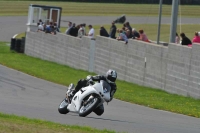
(175, 69)
(59, 48)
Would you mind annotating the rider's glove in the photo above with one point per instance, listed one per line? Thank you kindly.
(88, 77)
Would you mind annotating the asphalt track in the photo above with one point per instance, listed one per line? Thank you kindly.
(9, 25)
(25, 95)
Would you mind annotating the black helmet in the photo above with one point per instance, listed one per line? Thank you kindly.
(111, 76)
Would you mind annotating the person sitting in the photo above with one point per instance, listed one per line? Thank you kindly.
(56, 27)
(128, 26)
(103, 32)
(128, 34)
(122, 36)
(135, 34)
(185, 40)
(40, 27)
(177, 39)
(143, 36)
(48, 28)
(40, 21)
(196, 38)
(123, 30)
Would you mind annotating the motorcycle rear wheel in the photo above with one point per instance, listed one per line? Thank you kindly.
(89, 107)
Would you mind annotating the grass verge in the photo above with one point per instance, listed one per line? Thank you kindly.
(129, 92)
(12, 123)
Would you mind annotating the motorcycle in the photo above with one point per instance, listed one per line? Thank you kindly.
(87, 99)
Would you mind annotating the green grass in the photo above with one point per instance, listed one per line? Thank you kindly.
(16, 124)
(129, 92)
(19, 8)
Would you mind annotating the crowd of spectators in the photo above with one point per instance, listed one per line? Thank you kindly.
(123, 34)
(184, 40)
(50, 27)
(79, 30)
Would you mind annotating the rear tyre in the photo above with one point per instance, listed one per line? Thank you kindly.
(89, 107)
(62, 109)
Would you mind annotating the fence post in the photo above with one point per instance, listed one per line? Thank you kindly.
(91, 55)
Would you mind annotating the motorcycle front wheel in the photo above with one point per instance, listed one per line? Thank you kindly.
(62, 109)
(86, 109)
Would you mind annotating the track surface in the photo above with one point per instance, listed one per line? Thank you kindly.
(25, 95)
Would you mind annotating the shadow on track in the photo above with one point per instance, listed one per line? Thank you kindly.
(105, 119)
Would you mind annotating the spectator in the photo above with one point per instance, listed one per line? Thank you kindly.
(103, 32)
(80, 31)
(143, 36)
(123, 30)
(84, 30)
(127, 25)
(69, 28)
(113, 29)
(44, 26)
(74, 30)
(185, 40)
(196, 38)
(177, 39)
(91, 31)
(56, 27)
(128, 34)
(122, 36)
(48, 28)
(40, 21)
(135, 34)
(40, 27)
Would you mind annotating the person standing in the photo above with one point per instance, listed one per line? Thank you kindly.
(113, 30)
(73, 31)
(80, 31)
(91, 31)
(84, 30)
(69, 28)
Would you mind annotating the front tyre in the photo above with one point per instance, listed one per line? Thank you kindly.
(62, 109)
(87, 108)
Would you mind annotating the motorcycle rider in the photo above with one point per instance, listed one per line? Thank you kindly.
(110, 78)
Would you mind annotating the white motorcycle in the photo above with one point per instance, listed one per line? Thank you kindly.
(87, 99)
